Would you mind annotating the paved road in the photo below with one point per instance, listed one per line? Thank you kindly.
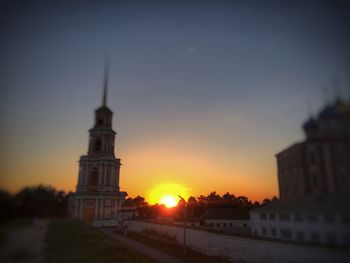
(25, 244)
(143, 249)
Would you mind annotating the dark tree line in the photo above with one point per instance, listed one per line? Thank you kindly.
(197, 206)
(37, 201)
(46, 201)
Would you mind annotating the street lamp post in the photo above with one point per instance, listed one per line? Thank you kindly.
(184, 224)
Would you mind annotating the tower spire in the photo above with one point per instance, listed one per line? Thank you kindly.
(105, 84)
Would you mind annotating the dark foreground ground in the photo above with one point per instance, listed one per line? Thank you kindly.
(71, 241)
(176, 250)
(61, 240)
(67, 240)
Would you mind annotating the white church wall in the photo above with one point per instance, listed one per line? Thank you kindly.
(318, 230)
(105, 222)
(250, 250)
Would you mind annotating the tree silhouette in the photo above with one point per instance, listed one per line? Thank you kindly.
(40, 201)
(266, 201)
(139, 201)
(213, 196)
(229, 197)
(202, 199)
(6, 211)
(192, 200)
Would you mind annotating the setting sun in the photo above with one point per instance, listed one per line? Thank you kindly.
(168, 194)
(168, 201)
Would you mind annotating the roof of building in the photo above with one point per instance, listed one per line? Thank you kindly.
(103, 109)
(337, 109)
(310, 124)
(334, 204)
(189, 218)
(293, 146)
(226, 213)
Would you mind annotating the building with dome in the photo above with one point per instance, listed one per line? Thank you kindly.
(314, 185)
(321, 163)
(97, 197)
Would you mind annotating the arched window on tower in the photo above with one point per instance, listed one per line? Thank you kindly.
(93, 176)
(98, 144)
(100, 121)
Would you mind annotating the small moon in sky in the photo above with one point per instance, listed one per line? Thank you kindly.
(191, 49)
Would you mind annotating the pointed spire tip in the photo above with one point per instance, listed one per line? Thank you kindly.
(105, 85)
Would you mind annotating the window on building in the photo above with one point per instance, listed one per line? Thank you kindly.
(314, 237)
(300, 236)
(284, 216)
(230, 224)
(312, 158)
(263, 216)
(312, 218)
(98, 145)
(224, 224)
(343, 177)
(346, 240)
(211, 224)
(341, 157)
(218, 224)
(109, 182)
(264, 230)
(314, 177)
(298, 217)
(273, 231)
(329, 218)
(331, 239)
(100, 121)
(272, 216)
(285, 233)
(107, 212)
(93, 180)
(346, 219)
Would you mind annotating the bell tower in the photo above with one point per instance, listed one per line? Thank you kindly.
(102, 136)
(97, 197)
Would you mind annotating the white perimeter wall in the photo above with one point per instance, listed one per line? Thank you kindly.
(248, 250)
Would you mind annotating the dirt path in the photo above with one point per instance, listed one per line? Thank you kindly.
(25, 244)
(155, 254)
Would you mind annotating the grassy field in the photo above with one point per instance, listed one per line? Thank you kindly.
(71, 241)
(176, 250)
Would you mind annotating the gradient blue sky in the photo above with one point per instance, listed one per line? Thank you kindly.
(204, 93)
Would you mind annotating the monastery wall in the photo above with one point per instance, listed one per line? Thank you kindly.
(251, 250)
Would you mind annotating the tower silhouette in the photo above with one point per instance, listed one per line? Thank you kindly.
(97, 197)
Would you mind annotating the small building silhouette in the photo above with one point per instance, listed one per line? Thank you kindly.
(128, 210)
(227, 219)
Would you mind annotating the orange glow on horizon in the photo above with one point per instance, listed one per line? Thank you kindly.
(193, 171)
(167, 194)
(196, 170)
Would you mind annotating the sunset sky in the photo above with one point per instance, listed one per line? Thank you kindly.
(204, 94)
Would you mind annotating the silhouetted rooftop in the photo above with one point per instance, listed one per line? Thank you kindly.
(332, 204)
(103, 108)
(338, 109)
(226, 213)
(310, 124)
